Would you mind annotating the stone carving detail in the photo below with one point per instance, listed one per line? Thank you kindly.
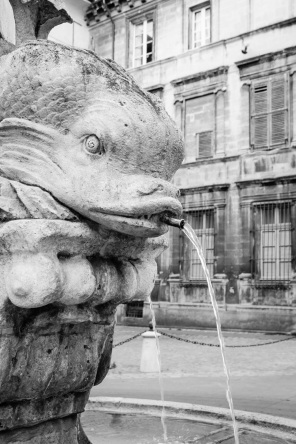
(86, 158)
(34, 19)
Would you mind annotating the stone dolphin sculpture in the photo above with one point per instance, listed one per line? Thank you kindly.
(78, 127)
(86, 159)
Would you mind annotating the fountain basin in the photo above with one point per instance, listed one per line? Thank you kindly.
(137, 421)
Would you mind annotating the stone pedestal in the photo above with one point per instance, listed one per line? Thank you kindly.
(149, 356)
(245, 288)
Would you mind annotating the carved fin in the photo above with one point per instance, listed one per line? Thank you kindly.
(13, 128)
(40, 204)
(51, 14)
(27, 153)
(34, 19)
(25, 17)
(5, 46)
(26, 160)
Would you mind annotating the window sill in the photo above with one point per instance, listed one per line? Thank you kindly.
(150, 64)
(275, 284)
(213, 159)
(269, 148)
(194, 283)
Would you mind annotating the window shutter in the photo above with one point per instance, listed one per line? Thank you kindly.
(260, 115)
(260, 98)
(278, 111)
(278, 93)
(260, 132)
(205, 144)
(269, 112)
(278, 128)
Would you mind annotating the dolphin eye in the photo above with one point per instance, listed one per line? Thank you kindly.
(93, 145)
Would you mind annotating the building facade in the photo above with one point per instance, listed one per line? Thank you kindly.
(226, 72)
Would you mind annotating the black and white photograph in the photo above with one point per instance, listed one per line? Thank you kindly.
(147, 221)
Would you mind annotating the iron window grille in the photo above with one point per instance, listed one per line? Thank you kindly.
(134, 309)
(269, 112)
(202, 222)
(272, 242)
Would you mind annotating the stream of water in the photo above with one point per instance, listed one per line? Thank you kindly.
(189, 232)
(164, 427)
(193, 238)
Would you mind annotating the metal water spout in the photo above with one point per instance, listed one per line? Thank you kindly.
(179, 223)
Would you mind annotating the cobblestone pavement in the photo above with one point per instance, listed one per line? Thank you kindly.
(181, 359)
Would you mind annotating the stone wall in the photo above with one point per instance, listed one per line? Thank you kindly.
(211, 88)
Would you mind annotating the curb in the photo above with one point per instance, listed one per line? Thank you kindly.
(284, 428)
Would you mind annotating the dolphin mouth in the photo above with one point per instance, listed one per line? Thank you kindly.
(143, 221)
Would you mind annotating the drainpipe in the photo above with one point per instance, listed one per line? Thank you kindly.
(113, 28)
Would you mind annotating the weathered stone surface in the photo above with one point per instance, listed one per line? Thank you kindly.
(22, 413)
(85, 162)
(35, 18)
(62, 431)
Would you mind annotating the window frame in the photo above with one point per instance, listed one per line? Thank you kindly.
(132, 22)
(192, 12)
(186, 99)
(259, 258)
(134, 309)
(257, 132)
(208, 235)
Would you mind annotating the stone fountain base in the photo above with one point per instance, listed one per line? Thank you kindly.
(190, 423)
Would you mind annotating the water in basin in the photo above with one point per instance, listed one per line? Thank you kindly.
(114, 428)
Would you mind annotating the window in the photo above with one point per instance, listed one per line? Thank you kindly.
(143, 42)
(204, 143)
(203, 224)
(269, 113)
(200, 25)
(199, 126)
(156, 90)
(273, 241)
(134, 309)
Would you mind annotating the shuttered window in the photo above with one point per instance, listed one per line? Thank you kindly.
(199, 127)
(204, 144)
(269, 113)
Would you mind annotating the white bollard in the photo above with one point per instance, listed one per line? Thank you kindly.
(149, 357)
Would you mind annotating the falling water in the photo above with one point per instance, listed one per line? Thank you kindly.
(164, 427)
(193, 238)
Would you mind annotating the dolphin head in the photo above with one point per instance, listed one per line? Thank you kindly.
(80, 128)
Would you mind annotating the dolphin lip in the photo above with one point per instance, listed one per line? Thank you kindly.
(137, 210)
(140, 220)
